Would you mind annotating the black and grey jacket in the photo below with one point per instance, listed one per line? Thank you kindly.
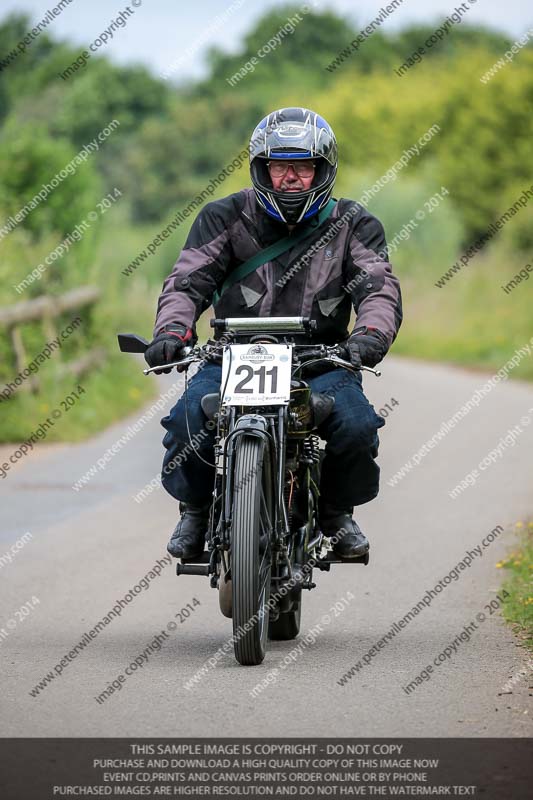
(343, 263)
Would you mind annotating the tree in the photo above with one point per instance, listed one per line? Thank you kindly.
(29, 160)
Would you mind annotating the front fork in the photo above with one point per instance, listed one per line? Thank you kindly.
(220, 521)
(290, 553)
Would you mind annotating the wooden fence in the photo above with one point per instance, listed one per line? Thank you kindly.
(46, 309)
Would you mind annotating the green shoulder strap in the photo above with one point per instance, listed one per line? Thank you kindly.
(272, 252)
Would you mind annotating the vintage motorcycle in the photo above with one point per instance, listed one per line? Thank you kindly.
(264, 537)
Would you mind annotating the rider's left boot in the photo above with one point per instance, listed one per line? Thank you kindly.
(348, 539)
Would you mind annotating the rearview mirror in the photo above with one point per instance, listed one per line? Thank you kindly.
(131, 343)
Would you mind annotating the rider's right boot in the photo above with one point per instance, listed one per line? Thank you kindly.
(188, 538)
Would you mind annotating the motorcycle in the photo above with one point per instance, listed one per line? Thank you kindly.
(264, 538)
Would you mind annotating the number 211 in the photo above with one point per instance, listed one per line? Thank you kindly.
(262, 372)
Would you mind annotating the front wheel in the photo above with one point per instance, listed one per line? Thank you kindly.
(251, 528)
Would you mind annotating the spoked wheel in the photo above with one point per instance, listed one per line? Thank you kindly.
(252, 518)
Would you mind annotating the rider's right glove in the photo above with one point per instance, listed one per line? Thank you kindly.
(168, 345)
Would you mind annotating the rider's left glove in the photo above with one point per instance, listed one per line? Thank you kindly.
(168, 345)
(366, 347)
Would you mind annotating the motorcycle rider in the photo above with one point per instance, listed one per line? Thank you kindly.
(293, 164)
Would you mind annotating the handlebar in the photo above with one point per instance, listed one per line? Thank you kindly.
(263, 329)
(313, 353)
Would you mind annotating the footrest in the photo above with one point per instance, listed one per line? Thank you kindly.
(333, 558)
(192, 569)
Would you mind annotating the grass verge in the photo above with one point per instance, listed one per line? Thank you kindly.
(518, 607)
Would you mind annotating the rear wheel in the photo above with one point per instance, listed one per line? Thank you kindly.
(252, 517)
(287, 625)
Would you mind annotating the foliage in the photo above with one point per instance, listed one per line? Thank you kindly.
(488, 140)
(166, 147)
(518, 606)
(29, 160)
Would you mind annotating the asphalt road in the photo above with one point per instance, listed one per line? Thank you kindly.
(89, 548)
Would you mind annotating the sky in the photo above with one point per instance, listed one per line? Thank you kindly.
(159, 32)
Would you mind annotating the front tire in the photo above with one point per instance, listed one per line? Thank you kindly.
(251, 528)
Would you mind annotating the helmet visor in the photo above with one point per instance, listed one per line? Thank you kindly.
(293, 139)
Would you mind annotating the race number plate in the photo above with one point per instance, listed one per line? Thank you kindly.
(256, 374)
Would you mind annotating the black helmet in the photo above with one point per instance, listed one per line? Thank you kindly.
(293, 133)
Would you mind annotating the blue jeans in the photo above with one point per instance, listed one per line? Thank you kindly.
(350, 475)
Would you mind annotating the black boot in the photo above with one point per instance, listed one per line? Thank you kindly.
(188, 539)
(347, 537)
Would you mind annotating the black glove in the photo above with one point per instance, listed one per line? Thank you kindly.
(168, 345)
(366, 347)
